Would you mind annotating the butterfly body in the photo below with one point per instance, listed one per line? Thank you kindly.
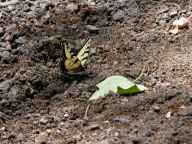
(72, 65)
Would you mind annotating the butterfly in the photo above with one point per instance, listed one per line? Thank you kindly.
(75, 63)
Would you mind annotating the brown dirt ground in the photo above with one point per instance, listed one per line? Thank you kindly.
(42, 107)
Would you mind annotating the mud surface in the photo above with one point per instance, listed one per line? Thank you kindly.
(39, 106)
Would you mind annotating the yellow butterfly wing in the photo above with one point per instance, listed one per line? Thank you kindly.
(84, 53)
(68, 53)
(71, 62)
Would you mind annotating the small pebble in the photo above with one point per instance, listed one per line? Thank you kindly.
(93, 51)
(62, 123)
(162, 22)
(116, 134)
(44, 120)
(2, 129)
(66, 115)
(156, 108)
(93, 127)
(163, 10)
(168, 115)
(47, 119)
(35, 122)
(173, 13)
(121, 119)
(92, 28)
(49, 131)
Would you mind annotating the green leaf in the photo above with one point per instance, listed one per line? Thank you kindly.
(117, 84)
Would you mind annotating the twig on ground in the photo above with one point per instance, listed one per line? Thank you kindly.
(140, 75)
(86, 111)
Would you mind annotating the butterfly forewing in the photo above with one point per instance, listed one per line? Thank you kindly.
(84, 53)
